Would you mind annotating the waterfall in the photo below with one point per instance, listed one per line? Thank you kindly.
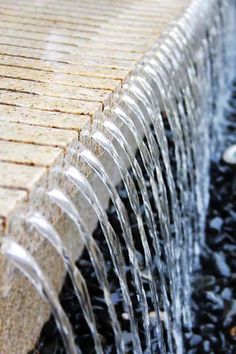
(79, 283)
(172, 106)
(29, 267)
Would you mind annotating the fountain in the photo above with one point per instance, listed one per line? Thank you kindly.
(156, 132)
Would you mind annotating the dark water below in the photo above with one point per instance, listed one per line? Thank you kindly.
(214, 285)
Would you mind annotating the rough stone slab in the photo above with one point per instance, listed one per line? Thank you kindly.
(29, 154)
(132, 50)
(45, 15)
(71, 69)
(66, 48)
(49, 89)
(9, 199)
(36, 135)
(89, 18)
(69, 42)
(48, 103)
(109, 60)
(57, 78)
(79, 27)
(71, 33)
(33, 116)
(78, 60)
(20, 176)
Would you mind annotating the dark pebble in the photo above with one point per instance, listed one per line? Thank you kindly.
(222, 339)
(207, 329)
(192, 351)
(215, 299)
(216, 224)
(206, 346)
(214, 340)
(204, 283)
(221, 266)
(230, 314)
(226, 294)
(195, 340)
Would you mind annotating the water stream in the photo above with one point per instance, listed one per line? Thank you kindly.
(136, 207)
(113, 243)
(96, 257)
(29, 267)
(98, 168)
(173, 108)
(47, 230)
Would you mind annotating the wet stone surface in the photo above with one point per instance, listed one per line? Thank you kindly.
(214, 285)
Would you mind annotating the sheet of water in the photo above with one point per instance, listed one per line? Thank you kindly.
(173, 105)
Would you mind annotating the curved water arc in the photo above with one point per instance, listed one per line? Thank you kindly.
(96, 165)
(135, 205)
(29, 267)
(47, 230)
(112, 241)
(96, 257)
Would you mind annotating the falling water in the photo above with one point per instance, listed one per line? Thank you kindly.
(113, 244)
(96, 257)
(96, 165)
(47, 230)
(138, 175)
(179, 192)
(135, 205)
(173, 107)
(28, 266)
(162, 206)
